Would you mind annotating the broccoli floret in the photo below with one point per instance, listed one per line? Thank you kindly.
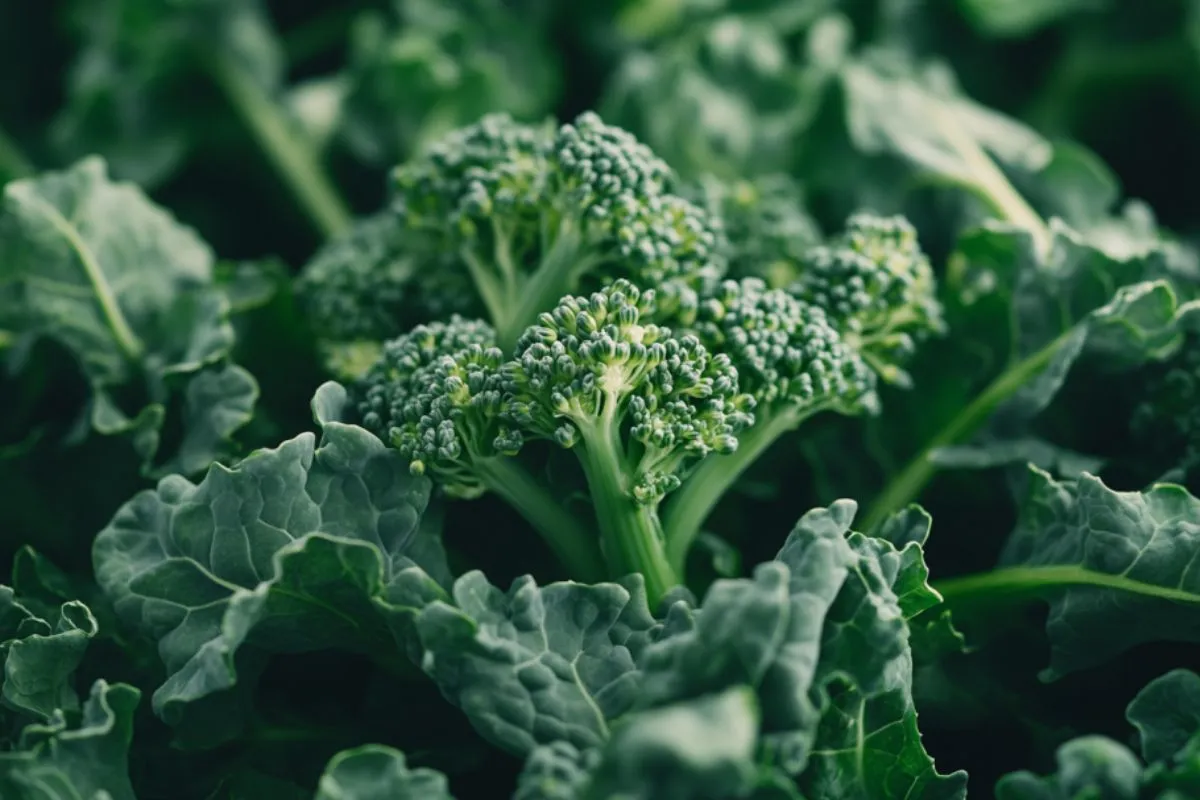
(639, 406)
(532, 213)
(878, 288)
(1166, 424)
(370, 285)
(768, 230)
(436, 395)
(793, 363)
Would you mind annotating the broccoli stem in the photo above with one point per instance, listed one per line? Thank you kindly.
(691, 504)
(490, 290)
(552, 279)
(290, 152)
(563, 533)
(908, 483)
(630, 532)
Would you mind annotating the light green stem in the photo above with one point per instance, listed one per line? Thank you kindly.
(993, 186)
(908, 483)
(490, 290)
(13, 163)
(1015, 583)
(290, 152)
(546, 286)
(691, 504)
(630, 532)
(569, 539)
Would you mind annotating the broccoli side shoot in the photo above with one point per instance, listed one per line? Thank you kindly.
(533, 213)
(369, 285)
(878, 288)
(638, 405)
(768, 230)
(789, 358)
(436, 395)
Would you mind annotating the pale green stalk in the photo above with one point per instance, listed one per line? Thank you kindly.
(908, 483)
(292, 154)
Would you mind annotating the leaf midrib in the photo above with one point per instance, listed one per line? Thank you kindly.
(126, 339)
(1036, 580)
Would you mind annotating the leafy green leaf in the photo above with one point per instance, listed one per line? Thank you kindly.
(1091, 766)
(1035, 315)
(1114, 566)
(128, 291)
(915, 112)
(83, 760)
(131, 93)
(40, 654)
(764, 633)
(868, 743)
(821, 636)
(535, 665)
(1167, 714)
(375, 772)
(298, 548)
(670, 752)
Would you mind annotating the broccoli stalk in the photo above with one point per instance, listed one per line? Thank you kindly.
(854, 314)
(631, 535)
(530, 212)
(637, 405)
(434, 395)
(878, 289)
(790, 360)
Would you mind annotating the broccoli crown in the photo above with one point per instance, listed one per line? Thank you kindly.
(586, 203)
(602, 168)
(368, 285)
(784, 350)
(1167, 421)
(593, 367)
(494, 165)
(768, 230)
(435, 395)
(877, 287)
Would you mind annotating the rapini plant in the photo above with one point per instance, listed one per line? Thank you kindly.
(476, 399)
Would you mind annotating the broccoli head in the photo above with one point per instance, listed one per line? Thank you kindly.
(369, 285)
(437, 395)
(793, 363)
(595, 372)
(768, 230)
(878, 288)
(638, 405)
(532, 213)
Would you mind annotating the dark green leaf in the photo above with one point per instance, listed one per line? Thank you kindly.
(1114, 566)
(298, 548)
(375, 772)
(97, 267)
(535, 665)
(83, 760)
